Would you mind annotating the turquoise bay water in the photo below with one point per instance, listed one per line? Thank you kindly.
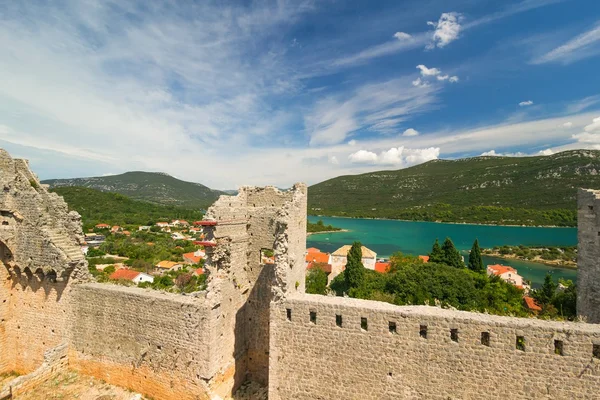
(386, 237)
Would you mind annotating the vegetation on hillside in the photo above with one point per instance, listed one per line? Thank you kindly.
(152, 187)
(411, 281)
(319, 226)
(557, 300)
(565, 255)
(143, 250)
(116, 209)
(493, 190)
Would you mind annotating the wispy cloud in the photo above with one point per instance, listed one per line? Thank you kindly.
(380, 107)
(584, 45)
(526, 103)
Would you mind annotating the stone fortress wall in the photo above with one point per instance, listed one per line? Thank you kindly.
(255, 322)
(410, 352)
(588, 255)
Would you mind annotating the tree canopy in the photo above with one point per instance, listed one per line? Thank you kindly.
(475, 259)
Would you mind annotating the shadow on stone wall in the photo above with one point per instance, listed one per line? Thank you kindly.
(252, 335)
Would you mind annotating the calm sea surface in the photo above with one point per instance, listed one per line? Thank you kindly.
(386, 237)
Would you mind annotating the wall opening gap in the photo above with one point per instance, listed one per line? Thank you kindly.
(454, 334)
(338, 320)
(423, 331)
(520, 343)
(364, 324)
(392, 327)
(558, 347)
(485, 338)
(596, 351)
(313, 317)
(288, 312)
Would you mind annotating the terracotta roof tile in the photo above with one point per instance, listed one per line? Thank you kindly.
(531, 303)
(343, 252)
(382, 266)
(124, 274)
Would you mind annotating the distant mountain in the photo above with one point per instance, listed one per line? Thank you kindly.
(113, 208)
(155, 187)
(505, 190)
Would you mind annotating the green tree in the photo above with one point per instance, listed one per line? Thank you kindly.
(436, 255)
(475, 259)
(316, 280)
(452, 256)
(545, 294)
(355, 270)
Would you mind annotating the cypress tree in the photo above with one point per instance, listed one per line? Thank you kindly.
(436, 255)
(355, 270)
(451, 255)
(475, 259)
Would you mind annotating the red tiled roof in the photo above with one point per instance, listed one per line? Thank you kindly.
(317, 257)
(313, 250)
(199, 271)
(500, 269)
(531, 304)
(192, 258)
(124, 274)
(424, 258)
(382, 267)
(323, 266)
(103, 226)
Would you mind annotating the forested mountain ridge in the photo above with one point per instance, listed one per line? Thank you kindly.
(537, 190)
(154, 187)
(98, 207)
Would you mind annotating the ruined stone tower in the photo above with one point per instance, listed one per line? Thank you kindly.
(588, 255)
(243, 281)
(39, 249)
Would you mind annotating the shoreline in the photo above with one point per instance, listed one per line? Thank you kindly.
(551, 263)
(318, 233)
(442, 222)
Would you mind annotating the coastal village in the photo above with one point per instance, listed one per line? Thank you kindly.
(190, 264)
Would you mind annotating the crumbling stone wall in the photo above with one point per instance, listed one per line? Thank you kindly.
(588, 255)
(240, 287)
(320, 360)
(41, 258)
(152, 342)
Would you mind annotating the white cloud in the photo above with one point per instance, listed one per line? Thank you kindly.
(525, 103)
(363, 156)
(547, 152)
(410, 132)
(428, 71)
(594, 126)
(396, 156)
(352, 142)
(490, 153)
(447, 29)
(420, 83)
(402, 36)
(333, 160)
(568, 124)
(580, 47)
(428, 74)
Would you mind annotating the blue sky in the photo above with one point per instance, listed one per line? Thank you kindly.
(275, 92)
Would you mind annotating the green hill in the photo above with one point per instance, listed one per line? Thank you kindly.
(504, 190)
(154, 187)
(115, 209)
